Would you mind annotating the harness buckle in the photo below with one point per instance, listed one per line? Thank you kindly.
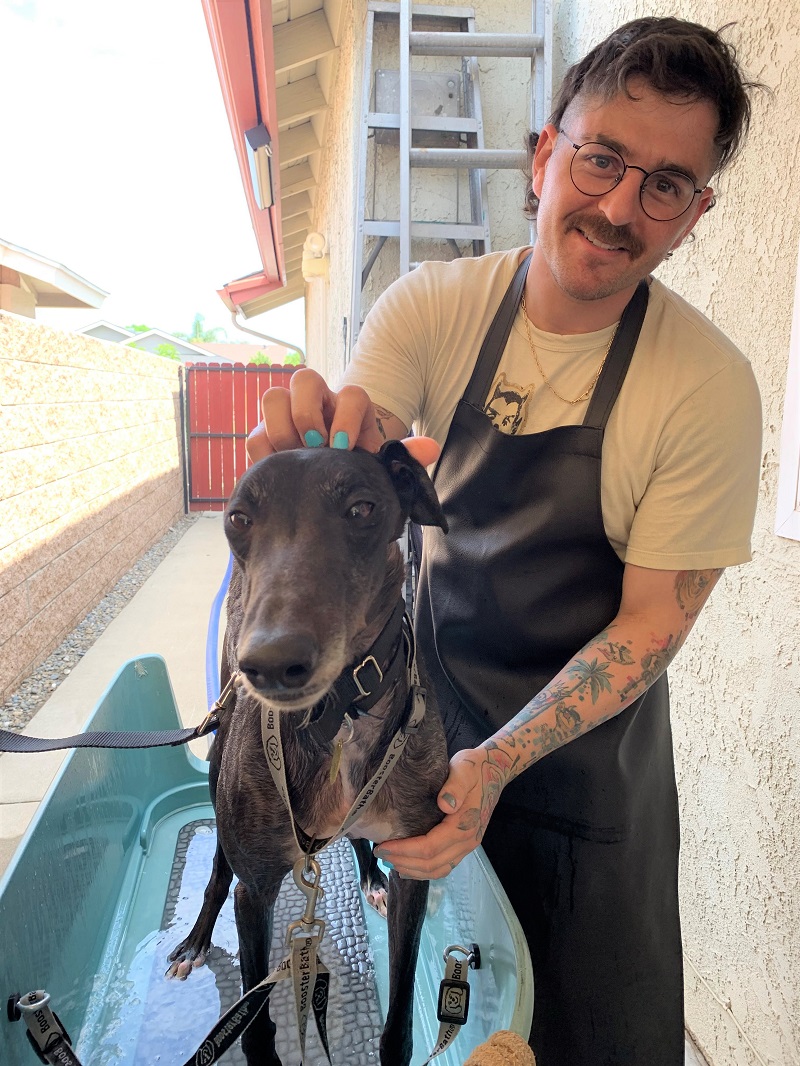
(370, 661)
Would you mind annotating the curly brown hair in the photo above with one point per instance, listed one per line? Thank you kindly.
(677, 58)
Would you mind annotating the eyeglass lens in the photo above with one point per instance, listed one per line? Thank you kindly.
(665, 194)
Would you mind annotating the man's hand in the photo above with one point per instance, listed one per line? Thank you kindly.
(468, 797)
(311, 414)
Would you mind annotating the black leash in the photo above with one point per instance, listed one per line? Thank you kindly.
(358, 688)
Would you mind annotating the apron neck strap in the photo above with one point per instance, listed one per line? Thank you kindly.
(619, 358)
(610, 381)
(494, 342)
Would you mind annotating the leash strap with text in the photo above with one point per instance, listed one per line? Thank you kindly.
(273, 749)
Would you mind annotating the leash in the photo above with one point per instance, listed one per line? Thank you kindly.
(303, 957)
(453, 1005)
(357, 689)
(153, 738)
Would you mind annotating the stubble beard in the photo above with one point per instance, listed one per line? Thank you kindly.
(600, 284)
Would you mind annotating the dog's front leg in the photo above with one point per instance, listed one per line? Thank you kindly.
(254, 912)
(192, 951)
(407, 902)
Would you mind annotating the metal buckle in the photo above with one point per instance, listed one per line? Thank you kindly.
(365, 691)
(209, 722)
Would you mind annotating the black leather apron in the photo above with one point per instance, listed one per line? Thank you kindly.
(586, 840)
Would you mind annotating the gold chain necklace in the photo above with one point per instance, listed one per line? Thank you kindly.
(586, 392)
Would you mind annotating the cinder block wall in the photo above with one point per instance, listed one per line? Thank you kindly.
(90, 478)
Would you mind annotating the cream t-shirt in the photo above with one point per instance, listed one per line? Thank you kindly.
(681, 451)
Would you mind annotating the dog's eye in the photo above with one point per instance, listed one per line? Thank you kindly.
(239, 520)
(362, 509)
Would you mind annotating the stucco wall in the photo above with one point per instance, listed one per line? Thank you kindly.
(90, 478)
(736, 685)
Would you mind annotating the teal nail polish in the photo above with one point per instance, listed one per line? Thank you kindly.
(341, 439)
(313, 438)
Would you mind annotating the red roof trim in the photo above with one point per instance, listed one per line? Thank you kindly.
(227, 28)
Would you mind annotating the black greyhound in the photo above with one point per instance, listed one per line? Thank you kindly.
(315, 591)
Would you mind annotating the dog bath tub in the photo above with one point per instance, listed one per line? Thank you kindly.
(110, 877)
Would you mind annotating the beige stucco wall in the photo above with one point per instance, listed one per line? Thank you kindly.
(90, 478)
(736, 685)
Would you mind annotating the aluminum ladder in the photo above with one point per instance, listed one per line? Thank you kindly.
(450, 31)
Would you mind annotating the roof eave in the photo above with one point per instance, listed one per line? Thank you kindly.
(242, 45)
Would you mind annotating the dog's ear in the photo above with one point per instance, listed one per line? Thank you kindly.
(413, 486)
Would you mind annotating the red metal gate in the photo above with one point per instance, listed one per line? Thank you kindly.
(223, 403)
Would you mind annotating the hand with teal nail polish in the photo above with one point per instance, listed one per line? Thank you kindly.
(341, 440)
(313, 438)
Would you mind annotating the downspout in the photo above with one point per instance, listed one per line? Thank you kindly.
(266, 336)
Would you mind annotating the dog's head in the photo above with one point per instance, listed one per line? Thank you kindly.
(314, 534)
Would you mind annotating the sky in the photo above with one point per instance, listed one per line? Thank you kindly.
(116, 160)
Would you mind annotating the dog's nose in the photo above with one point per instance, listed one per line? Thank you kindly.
(279, 663)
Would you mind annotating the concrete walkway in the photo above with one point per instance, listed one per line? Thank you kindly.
(168, 616)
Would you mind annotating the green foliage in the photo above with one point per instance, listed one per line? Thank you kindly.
(199, 333)
(139, 329)
(169, 351)
(291, 359)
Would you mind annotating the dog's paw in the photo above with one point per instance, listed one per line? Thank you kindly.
(377, 896)
(375, 887)
(182, 961)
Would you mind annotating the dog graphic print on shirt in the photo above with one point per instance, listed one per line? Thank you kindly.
(507, 406)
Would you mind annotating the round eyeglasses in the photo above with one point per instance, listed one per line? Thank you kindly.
(597, 169)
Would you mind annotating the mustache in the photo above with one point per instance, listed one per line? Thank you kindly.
(602, 230)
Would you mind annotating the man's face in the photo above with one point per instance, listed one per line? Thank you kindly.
(597, 246)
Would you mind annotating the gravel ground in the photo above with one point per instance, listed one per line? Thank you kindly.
(20, 707)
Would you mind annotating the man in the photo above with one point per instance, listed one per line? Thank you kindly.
(599, 470)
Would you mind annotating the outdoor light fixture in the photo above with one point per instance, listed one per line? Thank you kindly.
(259, 154)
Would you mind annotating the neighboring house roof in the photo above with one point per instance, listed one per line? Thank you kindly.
(189, 353)
(51, 284)
(277, 70)
(244, 353)
(107, 331)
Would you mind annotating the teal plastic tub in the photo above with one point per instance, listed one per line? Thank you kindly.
(110, 876)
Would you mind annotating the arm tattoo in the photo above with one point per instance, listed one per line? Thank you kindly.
(380, 414)
(604, 677)
(494, 775)
(692, 588)
(567, 708)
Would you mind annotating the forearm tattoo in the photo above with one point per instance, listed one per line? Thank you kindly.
(601, 680)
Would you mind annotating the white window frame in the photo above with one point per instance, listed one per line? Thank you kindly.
(787, 516)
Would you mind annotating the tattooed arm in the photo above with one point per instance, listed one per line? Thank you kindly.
(657, 612)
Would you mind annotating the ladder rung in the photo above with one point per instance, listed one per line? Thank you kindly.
(392, 7)
(385, 121)
(459, 231)
(469, 158)
(475, 44)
